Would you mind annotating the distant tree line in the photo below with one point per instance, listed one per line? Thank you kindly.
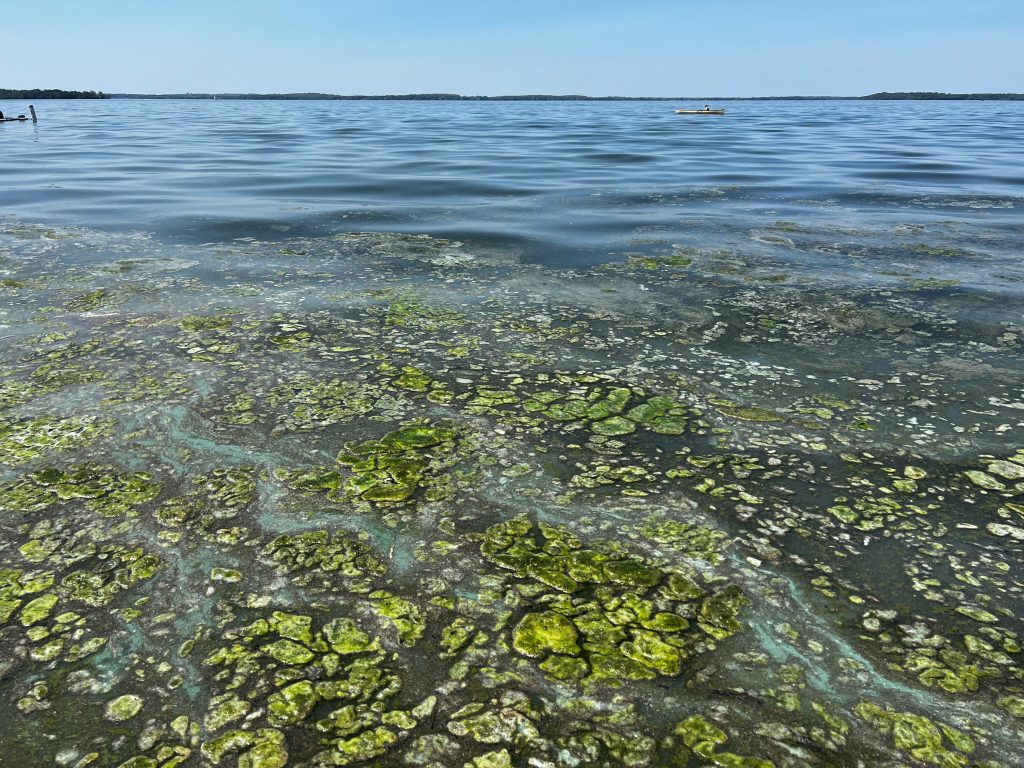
(935, 96)
(50, 93)
(449, 97)
(390, 97)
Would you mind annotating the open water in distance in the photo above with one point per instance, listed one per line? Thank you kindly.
(561, 183)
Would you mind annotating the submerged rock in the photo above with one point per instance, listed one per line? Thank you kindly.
(124, 707)
(541, 633)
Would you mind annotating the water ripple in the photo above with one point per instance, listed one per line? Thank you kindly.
(567, 182)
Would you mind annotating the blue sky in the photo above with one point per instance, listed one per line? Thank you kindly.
(594, 47)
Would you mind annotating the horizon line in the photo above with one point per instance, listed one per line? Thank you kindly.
(58, 93)
(427, 95)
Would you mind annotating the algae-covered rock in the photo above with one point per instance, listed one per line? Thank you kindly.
(984, 480)
(704, 738)
(292, 704)
(315, 550)
(289, 652)
(719, 611)
(47, 651)
(497, 759)
(344, 636)
(124, 707)
(414, 379)
(269, 750)
(38, 610)
(140, 761)
(919, 737)
(504, 725)
(393, 469)
(914, 473)
(1006, 530)
(456, 635)
(626, 635)
(680, 587)
(700, 735)
(225, 710)
(613, 427)
(290, 671)
(293, 626)
(365, 746)
(661, 415)
(197, 323)
(978, 614)
(609, 666)
(567, 668)
(538, 634)
(1008, 470)
(122, 570)
(216, 749)
(744, 412)
(101, 489)
(1013, 704)
(403, 614)
(648, 649)
(22, 440)
(700, 542)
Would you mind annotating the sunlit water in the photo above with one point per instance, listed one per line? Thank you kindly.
(562, 183)
(490, 434)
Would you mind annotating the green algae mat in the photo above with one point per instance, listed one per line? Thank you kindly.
(381, 500)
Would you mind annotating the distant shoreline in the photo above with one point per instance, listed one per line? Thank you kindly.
(43, 94)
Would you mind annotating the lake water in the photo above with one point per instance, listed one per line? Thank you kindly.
(530, 433)
(561, 183)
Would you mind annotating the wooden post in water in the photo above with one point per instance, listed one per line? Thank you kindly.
(33, 111)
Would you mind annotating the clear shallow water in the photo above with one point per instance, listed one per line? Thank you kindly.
(560, 183)
(713, 426)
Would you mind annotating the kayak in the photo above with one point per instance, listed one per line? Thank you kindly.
(700, 111)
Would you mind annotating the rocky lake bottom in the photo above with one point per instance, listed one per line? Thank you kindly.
(389, 500)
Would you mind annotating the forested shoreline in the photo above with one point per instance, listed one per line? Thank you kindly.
(49, 93)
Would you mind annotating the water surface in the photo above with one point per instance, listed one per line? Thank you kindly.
(561, 183)
(511, 434)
